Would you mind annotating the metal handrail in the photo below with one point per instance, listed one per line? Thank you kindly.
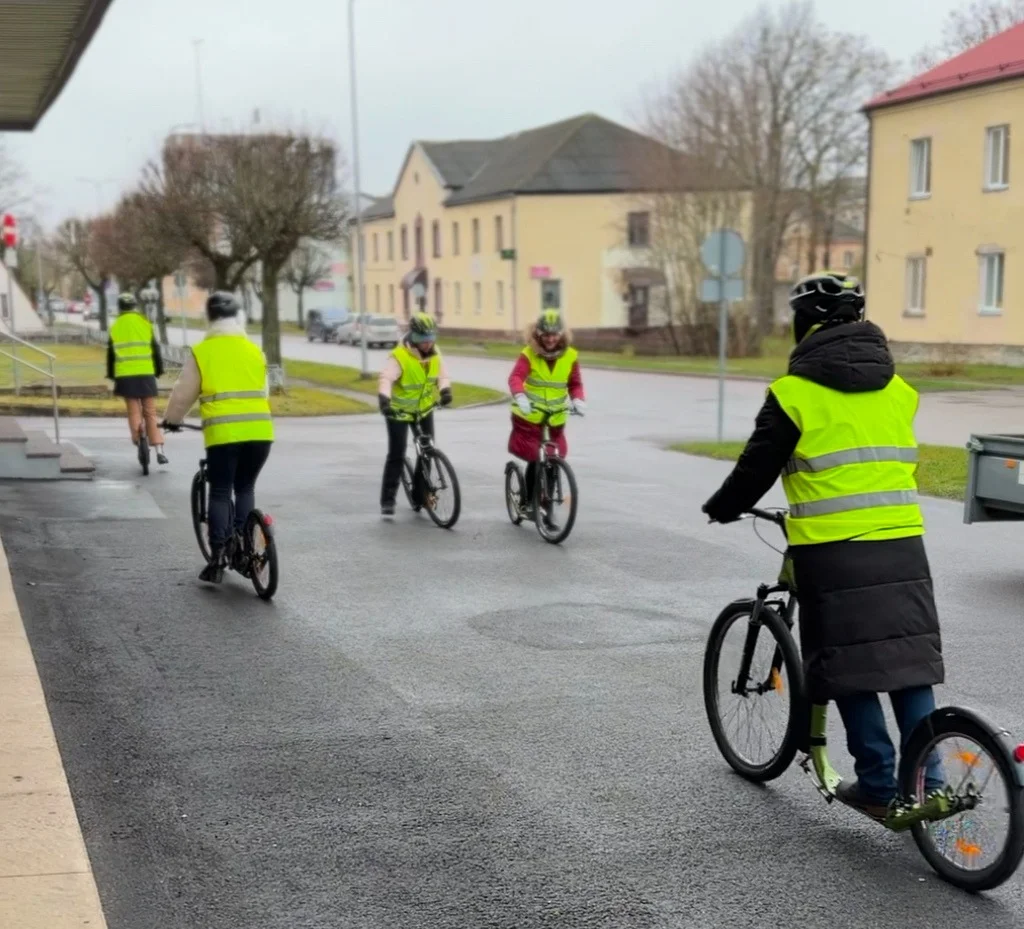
(51, 374)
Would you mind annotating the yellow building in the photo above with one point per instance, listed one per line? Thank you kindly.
(944, 252)
(496, 230)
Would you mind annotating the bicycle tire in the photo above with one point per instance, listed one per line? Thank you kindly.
(776, 626)
(441, 458)
(952, 720)
(144, 452)
(257, 520)
(200, 515)
(407, 484)
(542, 480)
(513, 494)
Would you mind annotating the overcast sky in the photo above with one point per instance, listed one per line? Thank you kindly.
(428, 69)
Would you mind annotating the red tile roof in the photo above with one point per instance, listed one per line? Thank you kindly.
(995, 59)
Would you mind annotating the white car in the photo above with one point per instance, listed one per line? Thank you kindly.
(380, 330)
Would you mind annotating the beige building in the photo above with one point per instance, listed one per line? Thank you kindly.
(496, 230)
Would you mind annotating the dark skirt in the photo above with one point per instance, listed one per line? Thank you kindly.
(868, 622)
(136, 387)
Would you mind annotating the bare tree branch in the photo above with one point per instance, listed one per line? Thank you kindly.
(308, 264)
(85, 246)
(968, 26)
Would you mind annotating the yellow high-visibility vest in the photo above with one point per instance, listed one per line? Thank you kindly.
(547, 388)
(132, 336)
(233, 400)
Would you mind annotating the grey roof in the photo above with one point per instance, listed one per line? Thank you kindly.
(843, 232)
(586, 154)
(381, 208)
(457, 162)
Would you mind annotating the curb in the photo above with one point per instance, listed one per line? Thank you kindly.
(46, 880)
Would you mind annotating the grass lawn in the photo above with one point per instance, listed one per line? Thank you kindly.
(299, 401)
(771, 364)
(941, 472)
(329, 375)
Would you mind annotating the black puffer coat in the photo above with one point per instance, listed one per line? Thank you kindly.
(868, 621)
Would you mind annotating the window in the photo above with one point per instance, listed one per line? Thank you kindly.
(476, 236)
(639, 306)
(478, 299)
(391, 246)
(916, 273)
(499, 237)
(405, 243)
(993, 266)
(376, 297)
(638, 229)
(921, 168)
(458, 297)
(435, 231)
(500, 299)
(438, 290)
(847, 260)
(455, 238)
(391, 298)
(419, 242)
(997, 158)
(376, 252)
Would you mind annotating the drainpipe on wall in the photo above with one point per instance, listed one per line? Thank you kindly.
(515, 269)
(867, 215)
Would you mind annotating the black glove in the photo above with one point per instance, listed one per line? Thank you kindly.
(170, 427)
(716, 513)
(385, 404)
(446, 396)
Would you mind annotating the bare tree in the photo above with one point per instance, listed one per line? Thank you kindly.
(308, 264)
(13, 181)
(84, 245)
(40, 270)
(968, 26)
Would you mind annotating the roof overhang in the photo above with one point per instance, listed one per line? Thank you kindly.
(41, 42)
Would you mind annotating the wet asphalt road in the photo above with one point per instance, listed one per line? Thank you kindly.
(464, 729)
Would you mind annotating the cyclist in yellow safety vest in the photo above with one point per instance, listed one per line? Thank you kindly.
(134, 363)
(408, 380)
(546, 376)
(227, 374)
(839, 428)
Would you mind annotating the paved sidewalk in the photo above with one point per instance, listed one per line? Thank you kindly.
(46, 881)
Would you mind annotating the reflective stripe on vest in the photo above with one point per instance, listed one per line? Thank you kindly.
(132, 338)
(547, 387)
(413, 391)
(233, 403)
(852, 472)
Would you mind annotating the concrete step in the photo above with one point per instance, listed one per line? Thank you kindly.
(40, 445)
(11, 431)
(74, 463)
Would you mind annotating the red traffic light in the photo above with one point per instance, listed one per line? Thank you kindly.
(9, 221)
(10, 237)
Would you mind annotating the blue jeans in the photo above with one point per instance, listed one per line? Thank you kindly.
(868, 740)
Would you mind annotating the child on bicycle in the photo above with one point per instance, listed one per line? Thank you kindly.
(546, 376)
(406, 386)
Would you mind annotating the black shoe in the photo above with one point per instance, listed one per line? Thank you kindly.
(213, 573)
(387, 509)
(853, 795)
(161, 458)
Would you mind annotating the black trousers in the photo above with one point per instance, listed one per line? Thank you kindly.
(233, 468)
(398, 437)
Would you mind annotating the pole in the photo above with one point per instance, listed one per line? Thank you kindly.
(14, 345)
(355, 177)
(723, 331)
(197, 43)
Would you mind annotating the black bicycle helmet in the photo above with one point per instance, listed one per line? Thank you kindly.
(126, 302)
(825, 297)
(221, 305)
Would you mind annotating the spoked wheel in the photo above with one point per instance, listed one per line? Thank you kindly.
(443, 499)
(555, 500)
(200, 517)
(514, 492)
(261, 554)
(757, 730)
(408, 483)
(143, 450)
(955, 751)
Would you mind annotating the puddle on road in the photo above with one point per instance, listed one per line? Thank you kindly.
(78, 500)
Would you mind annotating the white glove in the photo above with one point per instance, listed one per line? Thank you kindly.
(523, 402)
(579, 407)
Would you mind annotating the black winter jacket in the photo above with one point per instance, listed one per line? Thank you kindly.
(868, 621)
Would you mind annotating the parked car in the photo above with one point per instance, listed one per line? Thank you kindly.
(380, 330)
(324, 323)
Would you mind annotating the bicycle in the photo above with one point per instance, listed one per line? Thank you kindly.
(935, 817)
(143, 449)
(428, 455)
(243, 552)
(547, 487)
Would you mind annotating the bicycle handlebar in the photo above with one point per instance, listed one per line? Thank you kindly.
(774, 517)
(190, 426)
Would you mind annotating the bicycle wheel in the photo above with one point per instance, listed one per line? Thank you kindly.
(407, 485)
(443, 498)
(955, 846)
(555, 486)
(775, 682)
(200, 516)
(514, 492)
(261, 554)
(143, 451)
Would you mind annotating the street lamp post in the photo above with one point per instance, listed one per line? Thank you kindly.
(360, 301)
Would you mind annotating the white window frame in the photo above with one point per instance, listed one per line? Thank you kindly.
(478, 298)
(997, 144)
(847, 260)
(916, 286)
(989, 259)
(924, 190)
